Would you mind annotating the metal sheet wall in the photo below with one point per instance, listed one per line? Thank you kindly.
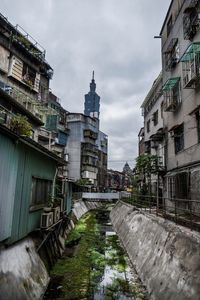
(8, 175)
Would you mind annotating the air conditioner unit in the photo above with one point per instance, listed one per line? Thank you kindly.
(46, 220)
(56, 214)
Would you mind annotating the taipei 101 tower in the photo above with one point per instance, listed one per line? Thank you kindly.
(92, 101)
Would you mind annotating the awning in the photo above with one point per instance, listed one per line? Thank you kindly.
(170, 83)
(197, 108)
(190, 52)
(174, 127)
(158, 135)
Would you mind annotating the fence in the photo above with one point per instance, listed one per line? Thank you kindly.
(185, 212)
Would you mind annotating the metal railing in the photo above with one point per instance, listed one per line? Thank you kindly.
(185, 212)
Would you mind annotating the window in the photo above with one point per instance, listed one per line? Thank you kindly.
(148, 125)
(179, 138)
(169, 25)
(28, 75)
(162, 109)
(198, 125)
(191, 19)
(155, 118)
(172, 94)
(40, 192)
(172, 55)
(171, 187)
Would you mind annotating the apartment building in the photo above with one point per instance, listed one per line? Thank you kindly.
(180, 35)
(153, 132)
(33, 135)
(82, 147)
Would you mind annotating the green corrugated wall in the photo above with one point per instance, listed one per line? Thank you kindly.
(31, 163)
(8, 176)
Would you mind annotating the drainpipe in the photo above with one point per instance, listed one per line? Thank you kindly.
(54, 184)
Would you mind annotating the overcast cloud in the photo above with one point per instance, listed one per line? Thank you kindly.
(112, 37)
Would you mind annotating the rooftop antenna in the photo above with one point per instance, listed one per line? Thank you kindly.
(93, 75)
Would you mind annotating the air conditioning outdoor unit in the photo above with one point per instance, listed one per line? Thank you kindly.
(56, 214)
(46, 220)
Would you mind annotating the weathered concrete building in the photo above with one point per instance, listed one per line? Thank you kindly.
(154, 143)
(87, 145)
(26, 109)
(180, 35)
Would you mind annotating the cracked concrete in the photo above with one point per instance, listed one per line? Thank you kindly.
(166, 256)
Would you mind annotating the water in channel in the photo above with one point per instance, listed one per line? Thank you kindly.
(94, 265)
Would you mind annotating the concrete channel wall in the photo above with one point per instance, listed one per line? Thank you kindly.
(166, 256)
(23, 275)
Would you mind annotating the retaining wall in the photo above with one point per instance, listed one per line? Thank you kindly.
(166, 256)
(23, 275)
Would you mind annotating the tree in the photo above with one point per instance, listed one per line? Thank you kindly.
(146, 165)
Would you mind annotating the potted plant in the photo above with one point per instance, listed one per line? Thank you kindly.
(20, 125)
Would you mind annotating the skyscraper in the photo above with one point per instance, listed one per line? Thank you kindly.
(92, 101)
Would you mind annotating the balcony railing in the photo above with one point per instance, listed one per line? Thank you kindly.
(185, 212)
(90, 134)
(5, 116)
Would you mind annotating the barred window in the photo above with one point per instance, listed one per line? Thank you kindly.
(40, 192)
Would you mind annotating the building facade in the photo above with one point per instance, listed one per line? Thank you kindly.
(154, 132)
(180, 35)
(33, 136)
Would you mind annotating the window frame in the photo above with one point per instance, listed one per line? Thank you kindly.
(148, 126)
(197, 114)
(36, 204)
(155, 117)
(179, 142)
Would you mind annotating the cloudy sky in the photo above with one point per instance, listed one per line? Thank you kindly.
(112, 37)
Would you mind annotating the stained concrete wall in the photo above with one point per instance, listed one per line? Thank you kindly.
(82, 207)
(23, 275)
(166, 256)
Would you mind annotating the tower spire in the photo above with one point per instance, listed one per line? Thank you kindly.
(92, 100)
(92, 84)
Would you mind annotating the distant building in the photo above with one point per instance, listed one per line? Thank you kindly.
(82, 147)
(127, 170)
(153, 132)
(87, 145)
(92, 101)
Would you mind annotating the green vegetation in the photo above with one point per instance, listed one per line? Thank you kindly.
(81, 269)
(20, 125)
(78, 270)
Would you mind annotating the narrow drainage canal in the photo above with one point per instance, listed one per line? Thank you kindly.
(94, 265)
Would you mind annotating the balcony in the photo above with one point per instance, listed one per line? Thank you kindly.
(90, 134)
(63, 171)
(44, 134)
(28, 102)
(191, 66)
(89, 148)
(172, 55)
(191, 20)
(172, 94)
(89, 169)
(5, 117)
